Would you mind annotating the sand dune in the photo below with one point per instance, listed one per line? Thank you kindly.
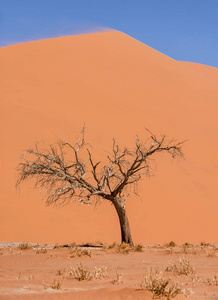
(116, 85)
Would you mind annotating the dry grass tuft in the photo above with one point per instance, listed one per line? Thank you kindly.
(25, 246)
(107, 247)
(188, 245)
(138, 248)
(112, 246)
(55, 285)
(204, 244)
(80, 273)
(60, 272)
(75, 251)
(123, 248)
(160, 286)
(117, 279)
(171, 244)
(180, 267)
(84, 252)
(212, 281)
(100, 273)
(41, 251)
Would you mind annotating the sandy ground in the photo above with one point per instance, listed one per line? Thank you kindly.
(117, 86)
(31, 274)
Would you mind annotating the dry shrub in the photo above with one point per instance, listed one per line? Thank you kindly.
(180, 267)
(55, 285)
(80, 273)
(171, 244)
(117, 279)
(123, 248)
(188, 245)
(25, 246)
(159, 285)
(112, 246)
(212, 281)
(78, 252)
(138, 248)
(84, 252)
(41, 251)
(204, 244)
(100, 272)
(60, 272)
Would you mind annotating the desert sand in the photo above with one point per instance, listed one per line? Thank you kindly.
(43, 272)
(117, 86)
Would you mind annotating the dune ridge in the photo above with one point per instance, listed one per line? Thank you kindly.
(116, 85)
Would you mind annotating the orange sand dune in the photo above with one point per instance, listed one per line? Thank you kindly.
(116, 85)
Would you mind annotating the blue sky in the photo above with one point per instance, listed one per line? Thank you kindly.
(182, 29)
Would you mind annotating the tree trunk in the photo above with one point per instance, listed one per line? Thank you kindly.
(120, 207)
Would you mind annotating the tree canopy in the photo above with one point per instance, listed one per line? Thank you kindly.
(68, 172)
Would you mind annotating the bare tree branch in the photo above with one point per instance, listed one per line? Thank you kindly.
(80, 180)
(69, 180)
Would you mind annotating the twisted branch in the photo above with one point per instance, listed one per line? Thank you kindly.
(68, 180)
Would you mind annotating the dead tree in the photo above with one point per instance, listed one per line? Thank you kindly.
(67, 176)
